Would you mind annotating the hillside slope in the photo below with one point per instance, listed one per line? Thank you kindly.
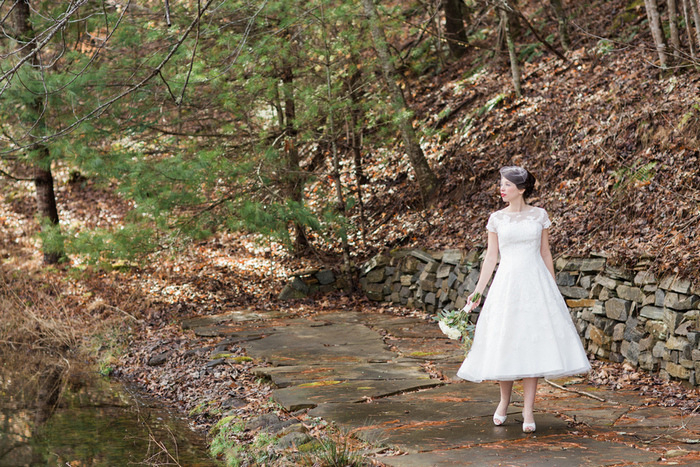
(613, 142)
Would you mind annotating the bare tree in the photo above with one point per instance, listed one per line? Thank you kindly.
(657, 31)
(340, 199)
(686, 15)
(294, 178)
(563, 23)
(454, 26)
(504, 10)
(673, 29)
(354, 139)
(427, 181)
(695, 7)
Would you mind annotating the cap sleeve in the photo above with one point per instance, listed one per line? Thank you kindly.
(546, 223)
(491, 224)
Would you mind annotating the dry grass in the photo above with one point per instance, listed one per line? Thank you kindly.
(34, 318)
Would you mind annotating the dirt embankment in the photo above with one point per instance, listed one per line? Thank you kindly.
(613, 141)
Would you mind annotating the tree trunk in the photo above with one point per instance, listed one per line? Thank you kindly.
(295, 183)
(427, 181)
(514, 66)
(43, 178)
(355, 141)
(563, 23)
(656, 31)
(454, 27)
(673, 29)
(688, 29)
(695, 7)
(340, 199)
(513, 25)
(46, 206)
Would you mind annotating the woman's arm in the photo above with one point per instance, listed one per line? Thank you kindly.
(547, 253)
(487, 268)
(489, 263)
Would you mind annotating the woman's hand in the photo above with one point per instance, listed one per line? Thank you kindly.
(473, 301)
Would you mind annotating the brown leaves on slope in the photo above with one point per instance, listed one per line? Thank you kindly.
(615, 149)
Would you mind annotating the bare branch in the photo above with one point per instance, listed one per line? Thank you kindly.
(167, 13)
(194, 53)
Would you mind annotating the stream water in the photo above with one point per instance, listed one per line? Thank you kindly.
(50, 418)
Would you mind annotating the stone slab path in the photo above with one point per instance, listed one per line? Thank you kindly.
(367, 373)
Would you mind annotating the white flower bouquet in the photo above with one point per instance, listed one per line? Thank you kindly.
(455, 325)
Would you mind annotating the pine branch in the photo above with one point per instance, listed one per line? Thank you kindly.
(103, 107)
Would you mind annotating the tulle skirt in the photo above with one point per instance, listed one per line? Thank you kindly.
(524, 329)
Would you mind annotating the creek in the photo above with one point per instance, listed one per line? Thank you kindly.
(53, 416)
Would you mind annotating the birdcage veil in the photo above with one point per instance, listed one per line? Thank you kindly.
(522, 178)
(515, 174)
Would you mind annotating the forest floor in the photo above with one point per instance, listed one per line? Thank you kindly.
(137, 314)
(613, 142)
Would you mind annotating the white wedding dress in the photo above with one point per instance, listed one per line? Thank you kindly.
(524, 329)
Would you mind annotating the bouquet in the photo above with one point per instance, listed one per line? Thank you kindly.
(455, 325)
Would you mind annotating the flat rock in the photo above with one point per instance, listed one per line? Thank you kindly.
(429, 349)
(283, 376)
(312, 394)
(659, 417)
(455, 393)
(394, 412)
(557, 451)
(657, 438)
(263, 421)
(236, 316)
(450, 434)
(601, 417)
(233, 334)
(449, 368)
(293, 439)
(306, 344)
(408, 327)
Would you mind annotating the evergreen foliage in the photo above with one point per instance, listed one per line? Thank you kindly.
(229, 117)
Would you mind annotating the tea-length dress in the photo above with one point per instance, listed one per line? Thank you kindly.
(524, 329)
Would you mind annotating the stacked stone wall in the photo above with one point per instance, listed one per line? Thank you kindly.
(622, 315)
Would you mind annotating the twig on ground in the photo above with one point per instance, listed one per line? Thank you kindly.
(682, 427)
(582, 393)
(124, 312)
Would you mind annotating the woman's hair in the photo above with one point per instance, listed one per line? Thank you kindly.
(522, 178)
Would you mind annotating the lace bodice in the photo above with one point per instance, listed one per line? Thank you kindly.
(519, 233)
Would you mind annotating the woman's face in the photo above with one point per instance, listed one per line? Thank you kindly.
(509, 191)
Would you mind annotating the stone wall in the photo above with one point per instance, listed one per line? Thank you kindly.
(622, 315)
(308, 282)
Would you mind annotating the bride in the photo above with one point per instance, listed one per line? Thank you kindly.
(524, 330)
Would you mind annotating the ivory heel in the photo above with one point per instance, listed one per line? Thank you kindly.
(499, 420)
(529, 427)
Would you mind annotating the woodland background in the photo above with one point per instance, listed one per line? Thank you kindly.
(346, 127)
(340, 128)
(163, 159)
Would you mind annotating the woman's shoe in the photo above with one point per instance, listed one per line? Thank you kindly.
(529, 427)
(499, 420)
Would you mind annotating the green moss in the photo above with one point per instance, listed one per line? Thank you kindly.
(423, 354)
(241, 359)
(311, 446)
(231, 357)
(319, 383)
